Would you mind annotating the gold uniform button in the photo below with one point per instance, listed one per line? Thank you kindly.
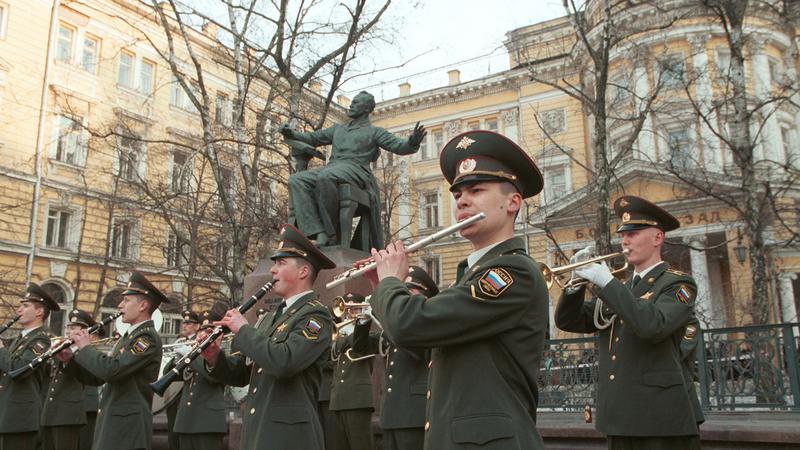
(395, 350)
(427, 426)
(252, 411)
(611, 377)
(616, 339)
(259, 370)
(430, 363)
(391, 363)
(621, 322)
(188, 403)
(390, 376)
(51, 399)
(389, 390)
(255, 389)
(341, 381)
(429, 394)
(613, 357)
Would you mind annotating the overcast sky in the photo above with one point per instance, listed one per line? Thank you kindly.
(449, 34)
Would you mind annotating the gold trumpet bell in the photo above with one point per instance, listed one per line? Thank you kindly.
(341, 308)
(553, 275)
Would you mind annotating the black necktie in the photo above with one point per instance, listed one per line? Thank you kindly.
(636, 280)
(462, 267)
(278, 311)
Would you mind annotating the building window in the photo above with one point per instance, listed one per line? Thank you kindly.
(122, 235)
(130, 156)
(775, 70)
(474, 125)
(125, 73)
(146, 72)
(3, 20)
(174, 252)
(432, 266)
(56, 319)
(620, 88)
(64, 45)
(679, 148)
(430, 210)
(91, 47)
(491, 125)
(555, 181)
(181, 172)
(180, 99)
(222, 110)
(225, 183)
(58, 226)
(723, 62)
(221, 252)
(672, 71)
(438, 143)
(69, 143)
(789, 142)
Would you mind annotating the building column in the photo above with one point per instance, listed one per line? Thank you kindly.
(761, 74)
(711, 156)
(646, 141)
(786, 294)
(703, 307)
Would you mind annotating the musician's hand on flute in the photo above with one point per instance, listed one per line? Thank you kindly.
(81, 338)
(392, 261)
(370, 275)
(233, 320)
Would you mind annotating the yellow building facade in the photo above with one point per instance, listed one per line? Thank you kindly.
(555, 130)
(71, 218)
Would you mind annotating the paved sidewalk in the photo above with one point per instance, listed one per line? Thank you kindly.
(722, 430)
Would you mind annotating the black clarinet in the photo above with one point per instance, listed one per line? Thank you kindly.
(161, 385)
(8, 324)
(58, 348)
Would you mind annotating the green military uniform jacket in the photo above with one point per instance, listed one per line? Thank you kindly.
(282, 362)
(351, 387)
(91, 399)
(125, 418)
(689, 345)
(201, 408)
(21, 399)
(63, 403)
(641, 389)
(405, 382)
(487, 332)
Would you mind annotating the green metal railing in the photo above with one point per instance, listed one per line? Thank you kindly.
(753, 367)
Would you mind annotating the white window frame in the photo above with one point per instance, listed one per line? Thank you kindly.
(185, 177)
(174, 255)
(664, 67)
(621, 88)
(71, 51)
(424, 205)
(433, 261)
(790, 149)
(223, 110)
(95, 57)
(120, 163)
(145, 84)
(129, 83)
(487, 124)
(179, 99)
(71, 224)
(688, 144)
(4, 11)
(133, 241)
(79, 136)
(231, 187)
(549, 165)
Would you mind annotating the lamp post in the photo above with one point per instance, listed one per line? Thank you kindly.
(740, 250)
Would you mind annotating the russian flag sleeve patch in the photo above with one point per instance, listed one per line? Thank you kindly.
(494, 282)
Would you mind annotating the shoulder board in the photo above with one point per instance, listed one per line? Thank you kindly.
(677, 272)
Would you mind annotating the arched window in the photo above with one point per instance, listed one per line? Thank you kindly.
(59, 294)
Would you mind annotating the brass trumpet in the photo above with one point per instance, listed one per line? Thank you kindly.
(342, 308)
(554, 275)
(337, 328)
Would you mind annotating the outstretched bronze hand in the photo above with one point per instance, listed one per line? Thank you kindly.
(417, 135)
(286, 130)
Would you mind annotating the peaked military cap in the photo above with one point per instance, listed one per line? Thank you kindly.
(35, 293)
(419, 278)
(637, 213)
(190, 316)
(82, 318)
(479, 155)
(294, 245)
(352, 297)
(139, 285)
(209, 317)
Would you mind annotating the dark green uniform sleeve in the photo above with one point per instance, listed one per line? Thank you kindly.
(84, 376)
(491, 302)
(657, 318)
(135, 355)
(303, 345)
(573, 314)
(360, 340)
(231, 370)
(10, 361)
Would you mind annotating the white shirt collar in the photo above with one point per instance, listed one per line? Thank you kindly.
(644, 272)
(291, 300)
(478, 254)
(28, 330)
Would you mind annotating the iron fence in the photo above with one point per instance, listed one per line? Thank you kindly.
(753, 367)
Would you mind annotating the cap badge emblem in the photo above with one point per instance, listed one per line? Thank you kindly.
(623, 203)
(464, 143)
(626, 217)
(467, 165)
